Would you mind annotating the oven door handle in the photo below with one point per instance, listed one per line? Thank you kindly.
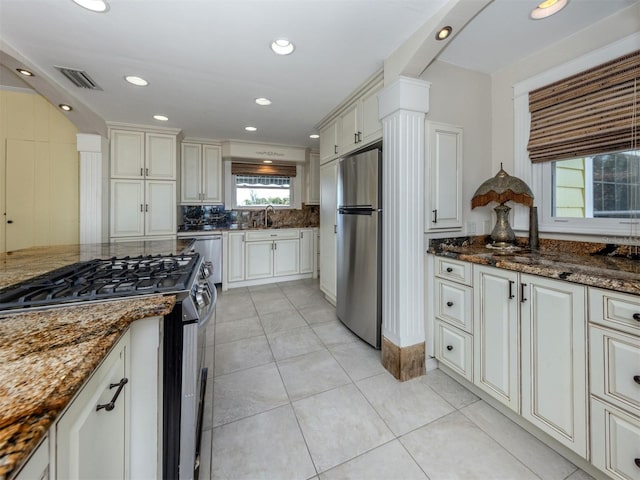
(204, 319)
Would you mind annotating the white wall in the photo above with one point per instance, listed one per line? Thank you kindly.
(463, 98)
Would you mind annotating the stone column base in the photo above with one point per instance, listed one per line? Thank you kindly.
(403, 363)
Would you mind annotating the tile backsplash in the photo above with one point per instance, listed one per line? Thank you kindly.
(218, 217)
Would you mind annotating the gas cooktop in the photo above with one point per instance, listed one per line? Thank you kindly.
(103, 279)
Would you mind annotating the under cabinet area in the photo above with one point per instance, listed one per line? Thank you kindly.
(255, 257)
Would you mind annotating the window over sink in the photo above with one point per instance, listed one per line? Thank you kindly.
(257, 190)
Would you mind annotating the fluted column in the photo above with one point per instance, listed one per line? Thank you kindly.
(402, 107)
(92, 176)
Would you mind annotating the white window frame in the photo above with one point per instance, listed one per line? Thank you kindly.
(538, 176)
(230, 191)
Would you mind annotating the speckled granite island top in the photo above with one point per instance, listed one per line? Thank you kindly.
(594, 264)
(47, 355)
(31, 262)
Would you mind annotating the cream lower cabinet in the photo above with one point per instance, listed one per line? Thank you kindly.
(328, 223)
(275, 258)
(234, 267)
(307, 249)
(530, 350)
(91, 435)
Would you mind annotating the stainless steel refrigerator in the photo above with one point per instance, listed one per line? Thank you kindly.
(359, 256)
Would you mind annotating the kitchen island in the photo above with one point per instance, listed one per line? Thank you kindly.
(47, 355)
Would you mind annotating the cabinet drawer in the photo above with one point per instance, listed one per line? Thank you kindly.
(615, 441)
(453, 270)
(273, 234)
(454, 349)
(615, 310)
(453, 304)
(615, 367)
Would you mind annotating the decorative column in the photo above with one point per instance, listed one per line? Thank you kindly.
(402, 108)
(93, 215)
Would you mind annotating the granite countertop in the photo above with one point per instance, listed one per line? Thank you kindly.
(218, 231)
(47, 355)
(24, 264)
(595, 264)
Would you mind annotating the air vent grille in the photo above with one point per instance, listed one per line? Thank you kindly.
(79, 78)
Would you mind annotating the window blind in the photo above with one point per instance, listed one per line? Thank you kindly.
(592, 112)
(258, 169)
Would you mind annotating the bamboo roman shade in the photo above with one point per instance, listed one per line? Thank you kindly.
(263, 169)
(588, 113)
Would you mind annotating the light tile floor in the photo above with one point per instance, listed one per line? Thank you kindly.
(293, 394)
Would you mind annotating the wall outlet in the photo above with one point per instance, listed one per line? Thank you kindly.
(471, 228)
(487, 227)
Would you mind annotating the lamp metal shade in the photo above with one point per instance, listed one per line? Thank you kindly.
(502, 188)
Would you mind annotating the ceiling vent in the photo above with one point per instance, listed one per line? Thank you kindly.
(79, 78)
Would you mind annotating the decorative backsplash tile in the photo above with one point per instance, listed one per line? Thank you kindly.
(218, 217)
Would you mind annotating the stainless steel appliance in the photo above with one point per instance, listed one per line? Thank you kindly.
(183, 373)
(359, 254)
(210, 249)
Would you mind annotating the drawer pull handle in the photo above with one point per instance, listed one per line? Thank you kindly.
(636, 378)
(636, 316)
(522, 292)
(449, 347)
(111, 405)
(449, 269)
(637, 461)
(449, 304)
(511, 295)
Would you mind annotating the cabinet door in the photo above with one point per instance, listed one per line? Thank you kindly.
(91, 443)
(160, 156)
(554, 360)
(371, 127)
(191, 173)
(306, 250)
(496, 334)
(328, 222)
(286, 257)
(127, 154)
(211, 174)
(259, 260)
(329, 142)
(443, 176)
(160, 208)
(313, 179)
(349, 131)
(235, 257)
(127, 208)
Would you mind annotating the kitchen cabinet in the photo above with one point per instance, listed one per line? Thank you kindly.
(142, 208)
(307, 255)
(201, 174)
(443, 177)
(330, 141)
(360, 123)
(328, 229)
(614, 360)
(235, 257)
(313, 180)
(138, 154)
(37, 466)
(91, 435)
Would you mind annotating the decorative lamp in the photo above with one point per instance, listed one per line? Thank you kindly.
(502, 188)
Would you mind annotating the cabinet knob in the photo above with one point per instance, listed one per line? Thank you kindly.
(449, 269)
(449, 304)
(636, 378)
(636, 316)
(449, 347)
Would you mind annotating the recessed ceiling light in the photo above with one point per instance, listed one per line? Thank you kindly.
(548, 8)
(314, 136)
(138, 81)
(25, 72)
(267, 161)
(263, 101)
(250, 129)
(99, 6)
(443, 33)
(282, 46)
(65, 107)
(162, 118)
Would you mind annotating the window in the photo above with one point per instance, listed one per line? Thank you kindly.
(254, 190)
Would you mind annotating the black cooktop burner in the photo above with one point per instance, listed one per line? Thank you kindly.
(103, 279)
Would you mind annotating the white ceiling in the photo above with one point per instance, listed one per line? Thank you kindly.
(207, 60)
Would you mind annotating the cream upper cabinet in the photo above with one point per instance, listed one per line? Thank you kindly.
(443, 177)
(147, 155)
(554, 359)
(370, 124)
(313, 179)
(360, 123)
(330, 141)
(350, 128)
(328, 222)
(201, 174)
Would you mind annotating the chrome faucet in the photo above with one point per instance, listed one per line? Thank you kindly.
(267, 221)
